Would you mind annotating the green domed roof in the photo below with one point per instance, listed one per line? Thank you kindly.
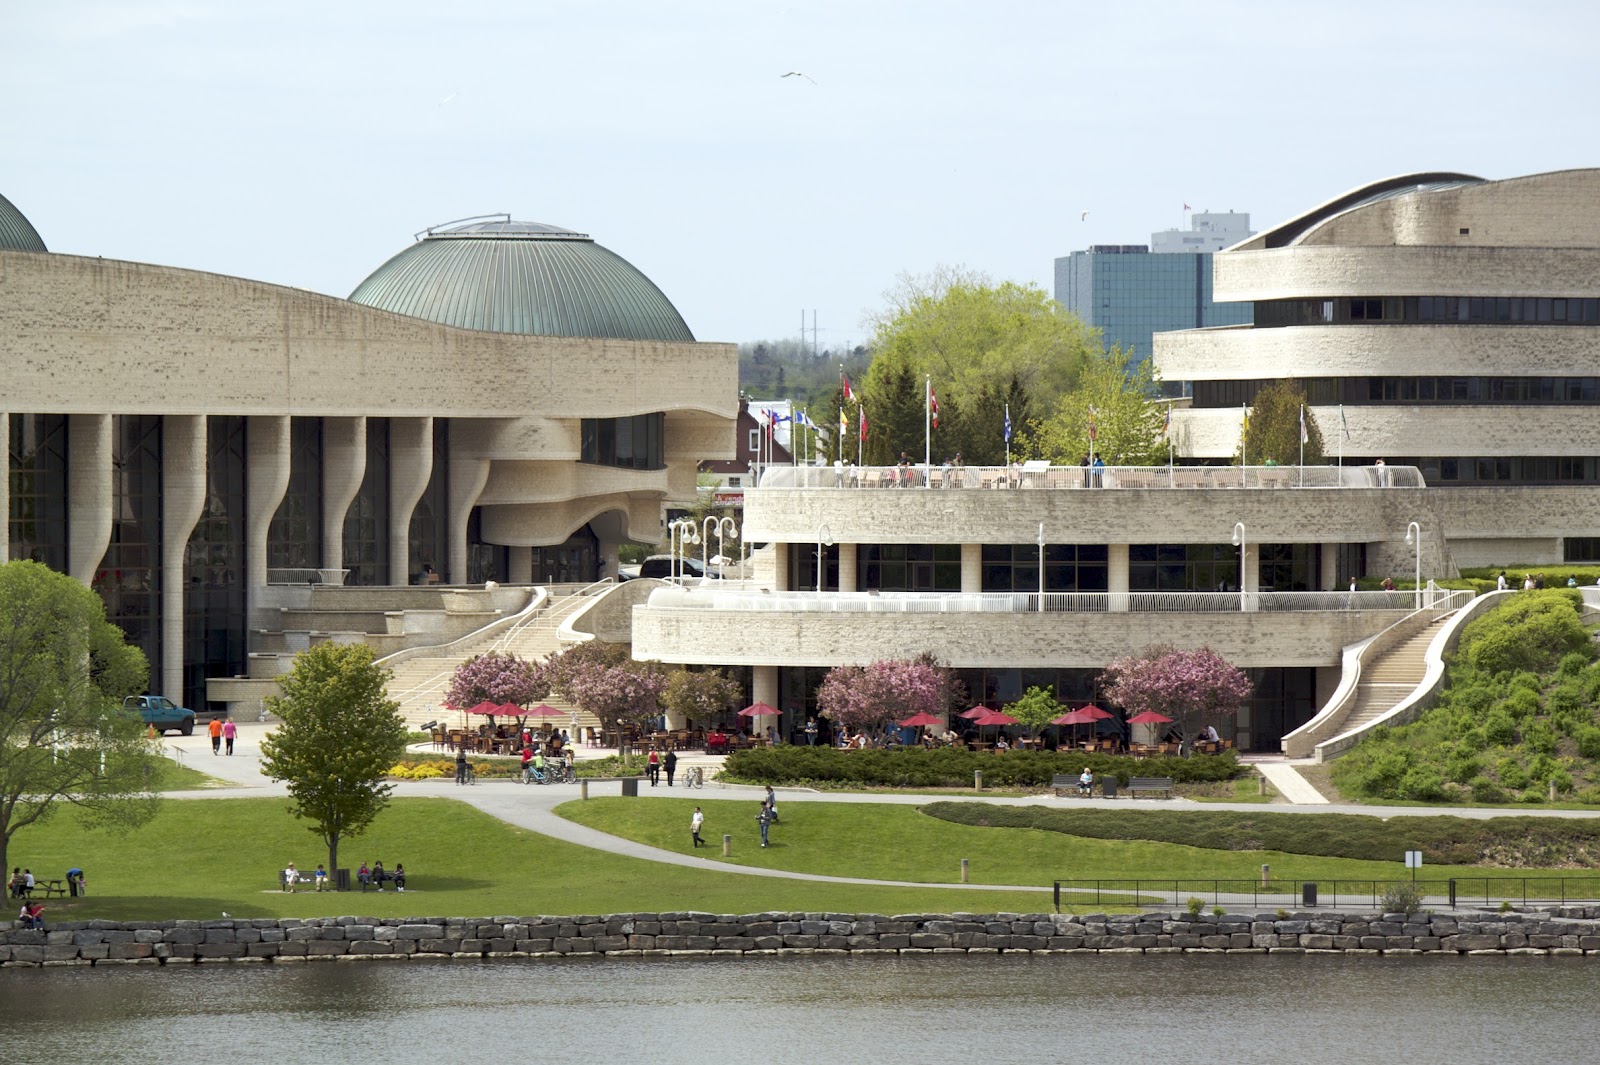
(522, 277)
(16, 232)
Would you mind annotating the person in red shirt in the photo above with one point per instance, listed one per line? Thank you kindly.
(216, 736)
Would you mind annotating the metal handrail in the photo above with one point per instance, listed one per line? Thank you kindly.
(713, 598)
(1447, 891)
(1036, 475)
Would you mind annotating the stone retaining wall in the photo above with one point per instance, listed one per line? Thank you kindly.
(1565, 931)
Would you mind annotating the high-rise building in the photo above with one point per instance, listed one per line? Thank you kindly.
(1132, 291)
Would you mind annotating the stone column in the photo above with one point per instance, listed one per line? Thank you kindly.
(1117, 577)
(764, 689)
(89, 495)
(467, 478)
(849, 580)
(183, 498)
(522, 566)
(344, 464)
(1329, 563)
(410, 467)
(5, 486)
(266, 480)
(971, 568)
(780, 575)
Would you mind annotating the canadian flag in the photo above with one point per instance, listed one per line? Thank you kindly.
(863, 432)
(848, 393)
(933, 406)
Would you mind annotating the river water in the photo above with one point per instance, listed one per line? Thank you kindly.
(915, 1010)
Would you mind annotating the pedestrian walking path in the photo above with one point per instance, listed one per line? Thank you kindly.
(1283, 776)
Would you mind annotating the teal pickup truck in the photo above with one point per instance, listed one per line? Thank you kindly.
(161, 713)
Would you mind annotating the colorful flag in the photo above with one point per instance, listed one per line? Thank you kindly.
(1166, 423)
(862, 433)
(844, 426)
(1244, 410)
(1305, 437)
(1186, 207)
(848, 394)
(1093, 432)
(1008, 423)
(933, 405)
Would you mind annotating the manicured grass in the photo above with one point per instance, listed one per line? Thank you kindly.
(886, 842)
(199, 858)
(170, 776)
(1247, 789)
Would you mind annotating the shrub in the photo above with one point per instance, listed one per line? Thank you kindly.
(1538, 737)
(1520, 704)
(1486, 790)
(952, 767)
(1422, 784)
(1573, 664)
(1401, 897)
(1588, 737)
(1195, 906)
(1532, 796)
(1511, 773)
(1462, 767)
(1499, 729)
(1475, 740)
(1562, 781)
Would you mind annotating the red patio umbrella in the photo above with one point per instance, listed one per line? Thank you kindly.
(543, 710)
(486, 707)
(975, 713)
(759, 710)
(921, 719)
(1148, 717)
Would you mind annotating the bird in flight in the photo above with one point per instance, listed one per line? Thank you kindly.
(800, 74)
(1083, 217)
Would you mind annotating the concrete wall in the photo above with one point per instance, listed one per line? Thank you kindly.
(998, 640)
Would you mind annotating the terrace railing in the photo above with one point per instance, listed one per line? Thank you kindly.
(712, 598)
(1037, 475)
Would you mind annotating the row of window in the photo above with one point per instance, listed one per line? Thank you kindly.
(1433, 310)
(635, 443)
(1369, 391)
(1506, 470)
(1067, 567)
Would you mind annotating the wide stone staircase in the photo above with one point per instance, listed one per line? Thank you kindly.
(421, 678)
(1389, 678)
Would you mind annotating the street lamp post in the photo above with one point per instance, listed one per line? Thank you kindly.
(1414, 537)
(824, 539)
(680, 534)
(722, 527)
(1239, 542)
(1041, 567)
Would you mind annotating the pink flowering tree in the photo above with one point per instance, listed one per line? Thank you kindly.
(603, 680)
(495, 678)
(870, 698)
(1187, 686)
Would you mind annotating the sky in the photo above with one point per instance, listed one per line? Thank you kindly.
(306, 143)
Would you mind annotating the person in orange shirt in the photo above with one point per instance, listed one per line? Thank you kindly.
(216, 736)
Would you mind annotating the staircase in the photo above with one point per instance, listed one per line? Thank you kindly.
(419, 683)
(1389, 678)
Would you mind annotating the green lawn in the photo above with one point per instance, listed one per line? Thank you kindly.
(170, 776)
(885, 842)
(200, 858)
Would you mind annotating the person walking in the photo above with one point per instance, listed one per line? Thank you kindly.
(695, 823)
(764, 819)
(229, 731)
(670, 764)
(652, 767)
(772, 804)
(215, 728)
(811, 732)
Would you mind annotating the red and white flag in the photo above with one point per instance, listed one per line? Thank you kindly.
(862, 432)
(933, 405)
(849, 394)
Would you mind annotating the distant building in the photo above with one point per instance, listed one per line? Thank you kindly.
(1132, 291)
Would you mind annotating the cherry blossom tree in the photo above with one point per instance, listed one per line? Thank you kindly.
(603, 680)
(1187, 686)
(493, 677)
(869, 698)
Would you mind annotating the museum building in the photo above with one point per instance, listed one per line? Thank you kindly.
(500, 401)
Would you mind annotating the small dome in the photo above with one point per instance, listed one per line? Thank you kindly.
(16, 232)
(505, 276)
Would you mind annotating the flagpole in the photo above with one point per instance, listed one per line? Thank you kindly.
(1302, 445)
(861, 415)
(927, 428)
(1008, 436)
(1244, 457)
(1341, 440)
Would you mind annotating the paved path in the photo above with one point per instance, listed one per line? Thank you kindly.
(532, 808)
(1290, 784)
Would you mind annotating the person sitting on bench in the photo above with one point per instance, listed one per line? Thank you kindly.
(1085, 782)
(399, 876)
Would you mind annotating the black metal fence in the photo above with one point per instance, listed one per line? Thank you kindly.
(1487, 892)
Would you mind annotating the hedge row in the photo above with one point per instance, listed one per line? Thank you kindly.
(952, 767)
(1503, 841)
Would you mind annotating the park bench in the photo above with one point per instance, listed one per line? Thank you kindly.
(1140, 785)
(306, 880)
(1064, 784)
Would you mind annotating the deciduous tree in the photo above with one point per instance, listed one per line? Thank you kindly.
(340, 734)
(494, 677)
(1035, 709)
(697, 695)
(603, 680)
(1273, 431)
(1187, 686)
(1117, 396)
(64, 738)
(868, 698)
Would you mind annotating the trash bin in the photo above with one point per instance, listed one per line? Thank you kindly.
(630, 787)
(341, 880)
(1108, 786)
(1308, 894)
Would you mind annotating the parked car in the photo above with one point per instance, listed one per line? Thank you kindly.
(660, 567)
(161, 713)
